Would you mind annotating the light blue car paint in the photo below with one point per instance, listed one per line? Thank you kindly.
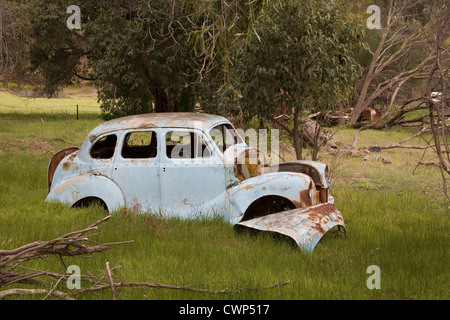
(207, 185)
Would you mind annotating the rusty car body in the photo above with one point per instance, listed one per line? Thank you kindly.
(190, 165)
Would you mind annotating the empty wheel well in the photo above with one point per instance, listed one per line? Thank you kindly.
(267, 205)
(88, 201)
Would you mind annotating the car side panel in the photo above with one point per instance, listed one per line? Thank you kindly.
(75, 188)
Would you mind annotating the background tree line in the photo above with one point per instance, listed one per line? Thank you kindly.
(278, 60)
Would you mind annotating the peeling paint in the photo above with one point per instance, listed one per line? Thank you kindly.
(235, 184)
(59, 189)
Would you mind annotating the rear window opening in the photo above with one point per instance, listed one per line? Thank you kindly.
(140, 145)
(104, 148)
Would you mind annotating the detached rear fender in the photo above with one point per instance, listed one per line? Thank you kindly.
(83, 186)
(287, 185)
(306, 226)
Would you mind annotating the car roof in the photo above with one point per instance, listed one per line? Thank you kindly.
(161, 120)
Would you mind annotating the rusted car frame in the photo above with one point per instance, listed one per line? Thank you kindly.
(192, 164)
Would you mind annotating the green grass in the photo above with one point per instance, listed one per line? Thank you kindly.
(66, 104)
(396, 218)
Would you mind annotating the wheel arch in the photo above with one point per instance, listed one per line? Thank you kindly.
(289, 186)
(88, 201)
(267, 204)
(83, 189)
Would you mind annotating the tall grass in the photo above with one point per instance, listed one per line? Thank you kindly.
(394, 219)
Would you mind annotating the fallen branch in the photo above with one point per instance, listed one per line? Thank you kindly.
(74, 244)
(157, 285)
(393, 146)
(13, 292)
(399, 144)
(430, 164)
(60, 246)
(71, 244)
(111, 281)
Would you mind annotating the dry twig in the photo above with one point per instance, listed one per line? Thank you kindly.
(73, 244)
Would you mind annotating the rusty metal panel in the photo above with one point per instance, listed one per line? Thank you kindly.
(306, 225)
(54, 162)
(316, 170)
(146, 176)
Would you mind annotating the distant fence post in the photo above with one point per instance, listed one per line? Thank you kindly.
(77, 112)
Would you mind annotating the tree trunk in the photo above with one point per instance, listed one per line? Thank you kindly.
(296, 137)
(363, 102)
(161, 100)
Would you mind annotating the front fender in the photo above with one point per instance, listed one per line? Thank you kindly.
(75, 188)
(284, 184)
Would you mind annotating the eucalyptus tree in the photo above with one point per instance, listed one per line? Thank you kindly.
(400, 56)
(153, 55)
(14, 40)
(137, 53)
(300, 58)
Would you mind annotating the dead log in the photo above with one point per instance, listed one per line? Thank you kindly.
(311, 133)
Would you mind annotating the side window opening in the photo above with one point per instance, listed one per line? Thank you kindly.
(104, 148)
(140, 145)
(187, 145)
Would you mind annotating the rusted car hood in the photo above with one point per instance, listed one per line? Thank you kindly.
(305, 225)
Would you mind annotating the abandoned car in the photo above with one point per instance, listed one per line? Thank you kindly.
(190, 165)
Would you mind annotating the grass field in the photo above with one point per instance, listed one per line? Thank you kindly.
(395, 214)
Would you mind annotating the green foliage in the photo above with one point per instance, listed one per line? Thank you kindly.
(56, 50)
(137, 52)
(300, 56)
(15, 30)
(167, 55)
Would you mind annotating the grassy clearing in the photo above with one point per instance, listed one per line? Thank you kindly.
(396, 219)
(66, 104)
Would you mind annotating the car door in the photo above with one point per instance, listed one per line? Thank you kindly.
(136, 169)
(192, 175)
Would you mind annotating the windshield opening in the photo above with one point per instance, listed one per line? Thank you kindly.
(224, 136)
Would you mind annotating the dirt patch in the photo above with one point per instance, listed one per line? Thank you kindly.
(32, 145)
